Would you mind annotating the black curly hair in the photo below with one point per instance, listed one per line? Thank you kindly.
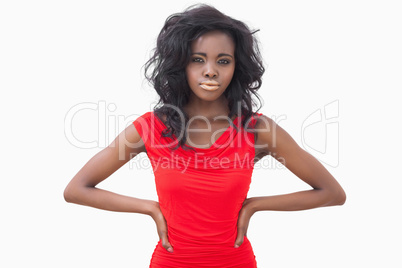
(165, 70)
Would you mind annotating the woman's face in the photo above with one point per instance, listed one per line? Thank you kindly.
(211, 66)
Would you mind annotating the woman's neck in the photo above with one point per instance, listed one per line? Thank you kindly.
(207, 109)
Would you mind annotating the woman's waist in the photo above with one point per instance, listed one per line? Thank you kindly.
(202, 235)
(182, 246)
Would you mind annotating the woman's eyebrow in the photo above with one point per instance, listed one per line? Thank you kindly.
(219, 55)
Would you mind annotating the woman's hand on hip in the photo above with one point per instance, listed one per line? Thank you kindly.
(161, 226)
(242, 223)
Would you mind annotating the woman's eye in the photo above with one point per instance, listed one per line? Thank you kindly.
(197, 60)
(224, 61)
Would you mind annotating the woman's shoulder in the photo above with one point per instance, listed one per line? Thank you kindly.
(149, 122)
(264, 124)
(147, 117)
(251, 121)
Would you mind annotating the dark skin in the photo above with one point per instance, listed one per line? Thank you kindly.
(275, 141)
(216, 62)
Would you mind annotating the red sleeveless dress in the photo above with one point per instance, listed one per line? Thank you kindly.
(200, 195)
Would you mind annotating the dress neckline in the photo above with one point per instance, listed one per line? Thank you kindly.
(217, 142)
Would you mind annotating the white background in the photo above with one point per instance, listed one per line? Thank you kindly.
(55, 55)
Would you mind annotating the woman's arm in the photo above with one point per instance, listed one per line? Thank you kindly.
(326, 191)
(276, 142)
(82, 188)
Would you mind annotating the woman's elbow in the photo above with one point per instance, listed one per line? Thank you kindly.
(69, 194)
(342, 197)
(339, 198)
(333, 197)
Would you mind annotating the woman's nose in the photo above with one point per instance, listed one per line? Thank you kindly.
(210, 71)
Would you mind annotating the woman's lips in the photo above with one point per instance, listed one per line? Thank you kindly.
(210, 86)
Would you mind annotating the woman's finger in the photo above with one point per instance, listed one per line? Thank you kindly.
(239, 239)
(161, 226)
(165, 242)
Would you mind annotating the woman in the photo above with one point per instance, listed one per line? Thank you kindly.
(203, 142)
